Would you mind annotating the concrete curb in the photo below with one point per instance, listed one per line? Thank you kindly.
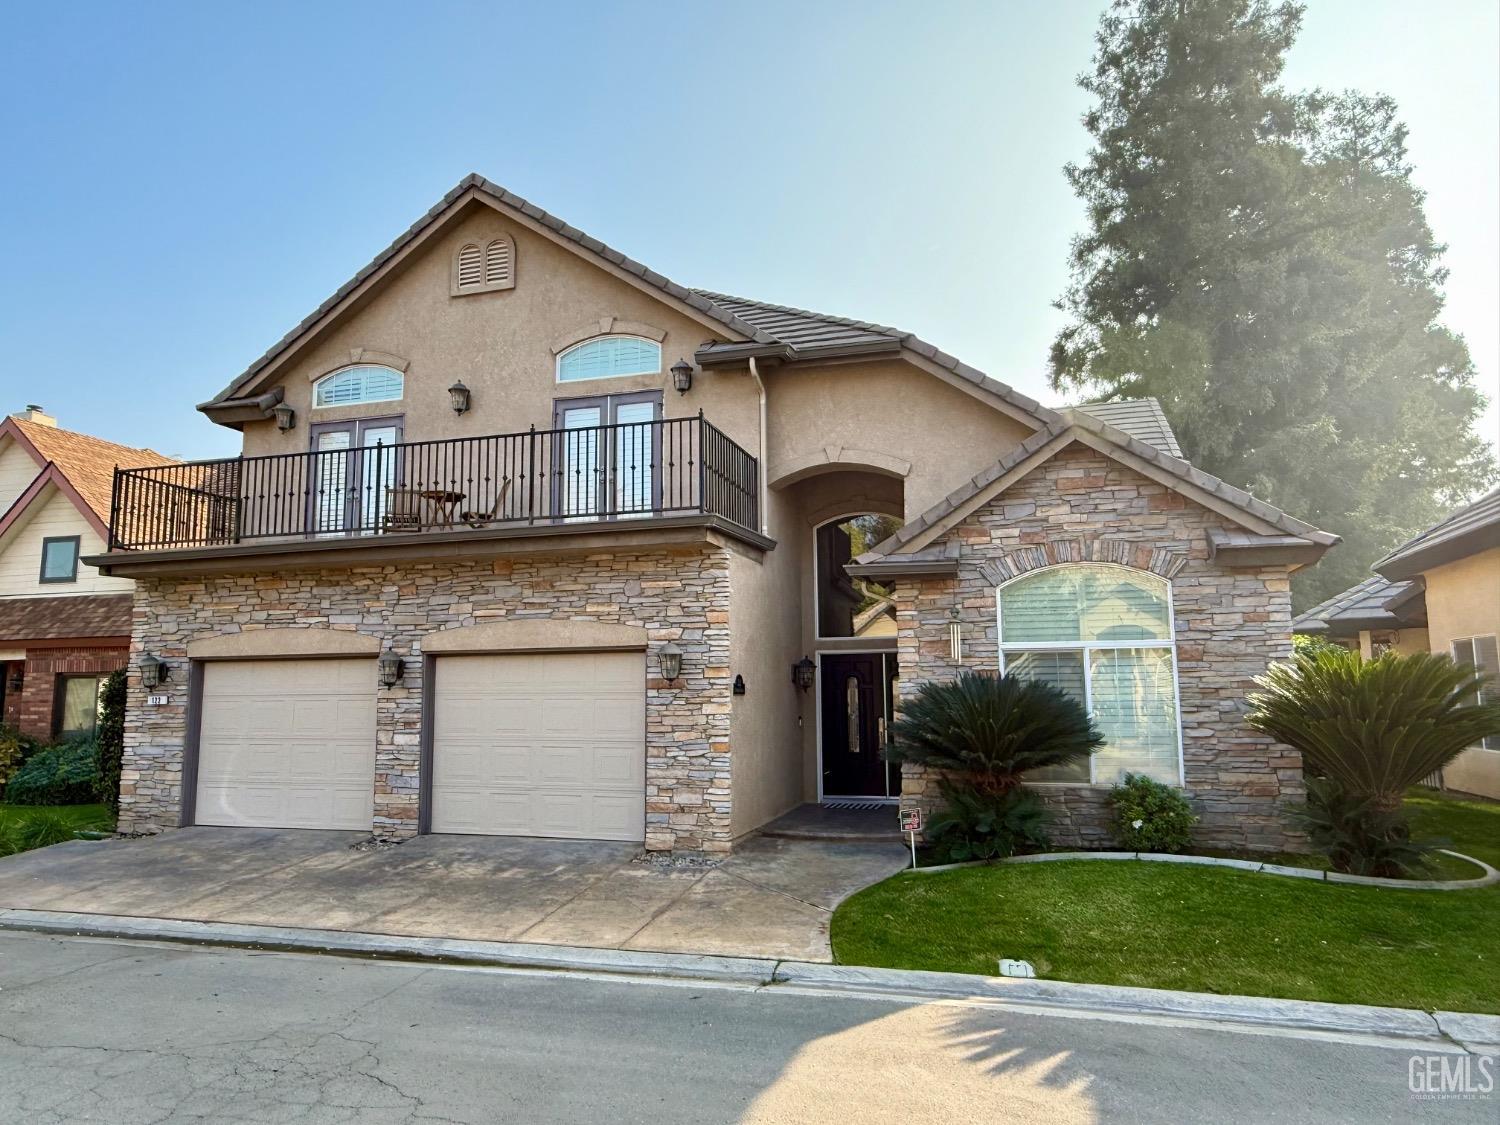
(1489, 878)
(1473, 1031)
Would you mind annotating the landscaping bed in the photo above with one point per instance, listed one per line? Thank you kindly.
(23, 827)
(1204, 929)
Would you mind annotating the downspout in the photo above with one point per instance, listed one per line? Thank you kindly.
(761, 474)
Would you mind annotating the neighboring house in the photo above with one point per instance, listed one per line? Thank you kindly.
(528, 539)
(1438, 592)
(63, 626)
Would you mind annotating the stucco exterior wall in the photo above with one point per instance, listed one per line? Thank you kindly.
(1463, 600)
(679, 597)
(1081, 506)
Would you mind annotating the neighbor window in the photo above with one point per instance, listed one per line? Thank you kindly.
(60, 559)
(78, 704)
(1103, 634)
(852, 607)
(363, 383)
(609, 357)
(1483, 655)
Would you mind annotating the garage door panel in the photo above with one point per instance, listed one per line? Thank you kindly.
(549, 744)
(287, 744)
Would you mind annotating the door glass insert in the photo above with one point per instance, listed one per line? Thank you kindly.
(633, 456)
(331, 480)
(851, 703)
(580, 467)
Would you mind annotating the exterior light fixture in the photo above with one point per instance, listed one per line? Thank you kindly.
(286, 417)
(458, 396)
(390, 666)
(682, 376)
(153, 672)
(955, 637)
(670, 658)
(803, 673)
(739, 685)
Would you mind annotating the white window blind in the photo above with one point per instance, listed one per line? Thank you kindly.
(1103, 634)
(1483, 655)
(364, 383)
(608, 357)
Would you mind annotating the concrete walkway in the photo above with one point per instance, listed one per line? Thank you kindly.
(772, 898)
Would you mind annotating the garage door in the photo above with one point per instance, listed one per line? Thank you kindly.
(287, 744)
(548, 744)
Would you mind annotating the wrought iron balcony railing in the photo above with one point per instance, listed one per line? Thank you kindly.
(626, 471)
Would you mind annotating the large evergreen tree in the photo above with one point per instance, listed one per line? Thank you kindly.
(1259, 260)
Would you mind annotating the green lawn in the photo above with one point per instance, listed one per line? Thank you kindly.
(13, 818)
(1203, 929)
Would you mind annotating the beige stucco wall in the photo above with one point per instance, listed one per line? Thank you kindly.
(1403, 642)
(51, 515)
(1463, 600)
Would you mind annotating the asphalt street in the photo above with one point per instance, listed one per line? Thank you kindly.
(136, 1033)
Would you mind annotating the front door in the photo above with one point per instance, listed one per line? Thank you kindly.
(856, 710)
(350, 482)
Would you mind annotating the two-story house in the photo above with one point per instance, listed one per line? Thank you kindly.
(528, 539)
(64, 627)
(1439, 592)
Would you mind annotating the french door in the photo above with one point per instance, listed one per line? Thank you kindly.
(605, 462)
(350, 482)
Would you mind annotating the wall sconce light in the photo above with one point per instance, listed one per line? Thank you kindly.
(955, 637)
(458, 396)
(682, 376)
(739, 685)
(390, 667)
(153, 672)
(286, 417)
(669, 658)
(803, 672)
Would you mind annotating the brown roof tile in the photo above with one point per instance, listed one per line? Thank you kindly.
(88, 462)
(51, 619)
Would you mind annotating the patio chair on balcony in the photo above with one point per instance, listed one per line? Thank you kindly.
(496, 512)
(403, 510)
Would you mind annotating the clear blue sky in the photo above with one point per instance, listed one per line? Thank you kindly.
(183, 182)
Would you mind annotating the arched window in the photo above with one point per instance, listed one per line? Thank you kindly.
(851, 607)
(484, 266)
(606, 357)
(363, 382)
(1103, 634)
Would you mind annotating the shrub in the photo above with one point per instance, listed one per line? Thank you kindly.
(992, 729)
(1375, 727)
(1357, 837)
(976, 824)
(67, 774)
(12, 751)
(111, 738)
(1150, 816)
(40, 830)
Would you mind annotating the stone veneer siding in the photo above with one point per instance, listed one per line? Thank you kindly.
(681, 597)
(1081, 506)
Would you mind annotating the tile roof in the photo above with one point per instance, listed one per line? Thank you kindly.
(1473, 528)
(1073, 421)
(1366, 605)
(53, 619)
(88, 462)
(1141, 418)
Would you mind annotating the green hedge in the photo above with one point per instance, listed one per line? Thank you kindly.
(59, 775)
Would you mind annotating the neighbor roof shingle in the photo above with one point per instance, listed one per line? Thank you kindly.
(1362, 606)
(55, 619)
(1473, 528)
(88, 462)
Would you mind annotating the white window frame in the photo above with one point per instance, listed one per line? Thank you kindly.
(1491, 743)
(571, 348)
(333, 375)
(1087, 648)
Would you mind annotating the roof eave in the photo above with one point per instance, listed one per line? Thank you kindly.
(1415, 561)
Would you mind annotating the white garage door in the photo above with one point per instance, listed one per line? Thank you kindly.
(547, 744)
(287, 744)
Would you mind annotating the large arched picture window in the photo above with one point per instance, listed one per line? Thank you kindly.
(851, 607)
(607, 357)
(363, 382)
(1104, 635)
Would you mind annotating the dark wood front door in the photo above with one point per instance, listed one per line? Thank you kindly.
(856, 711)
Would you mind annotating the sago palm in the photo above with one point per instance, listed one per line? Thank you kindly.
(992, 729)
(1374, 727)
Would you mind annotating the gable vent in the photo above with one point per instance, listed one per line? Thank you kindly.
(497, 263)
(470, 267)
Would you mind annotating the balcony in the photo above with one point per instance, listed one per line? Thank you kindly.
(566, 480)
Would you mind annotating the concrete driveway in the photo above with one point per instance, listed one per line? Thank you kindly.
(772, 898)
